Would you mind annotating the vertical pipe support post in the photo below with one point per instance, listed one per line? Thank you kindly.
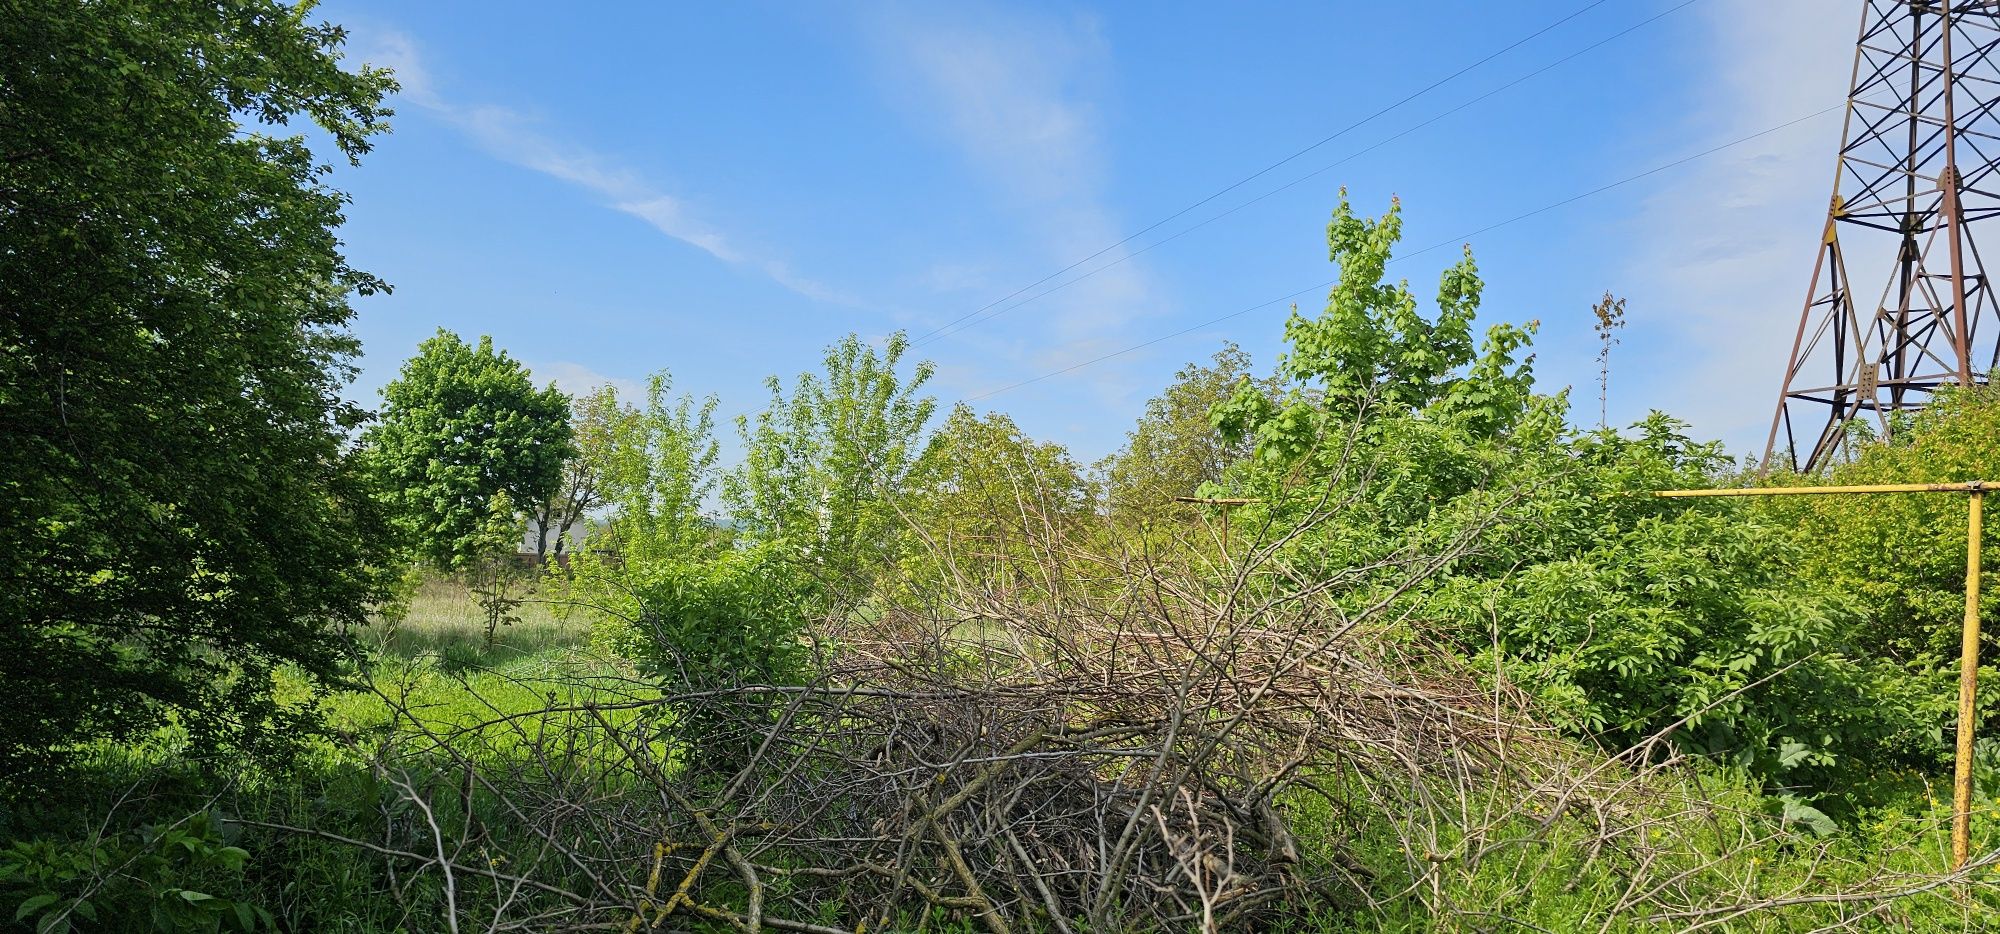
(1968, 690)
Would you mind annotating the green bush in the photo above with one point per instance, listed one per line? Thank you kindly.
(137, 881)
(707, 620)
(1629, 615)
(1902, 557)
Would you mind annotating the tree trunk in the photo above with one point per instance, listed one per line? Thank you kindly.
(542, 539)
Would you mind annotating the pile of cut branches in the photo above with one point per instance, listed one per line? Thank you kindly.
(1113, 757)
(1136, 747)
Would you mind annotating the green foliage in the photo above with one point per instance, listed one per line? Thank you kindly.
(1628, 616)
(1902, 558)
(736, 616)
(596, 420)
(1371, 357)
(136, 881)
(179, 514)
(1899, 560)
(460, 424)
(494, 574)
(981, 499)
(659, 470)
(1176, 448)
(824, 466)
(676, 599)
(1775, 856)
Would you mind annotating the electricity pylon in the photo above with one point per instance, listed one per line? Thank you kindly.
(1915, 178)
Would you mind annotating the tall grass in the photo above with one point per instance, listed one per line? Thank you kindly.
(444, 620)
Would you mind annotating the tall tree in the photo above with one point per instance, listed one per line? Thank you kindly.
(985, 500)
(660, 470)
(596, 420)
(178, 513)
(460, 424)
(1176, 448)
(824, 465)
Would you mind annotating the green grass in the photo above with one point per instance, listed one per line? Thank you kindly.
(444, 620)
(436, 662)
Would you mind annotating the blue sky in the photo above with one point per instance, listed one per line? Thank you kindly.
(722, 190)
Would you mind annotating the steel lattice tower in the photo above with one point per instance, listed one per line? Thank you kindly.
(1915, 177)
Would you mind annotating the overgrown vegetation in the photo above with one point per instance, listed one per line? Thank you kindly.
(1450, 668)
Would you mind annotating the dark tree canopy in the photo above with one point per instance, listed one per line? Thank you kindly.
(460, 425)
(178, 515)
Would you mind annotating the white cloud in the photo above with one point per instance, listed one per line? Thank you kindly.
(577, 379)
(1016, 93)
(396, 51)
(513, 137)
(667, 216)
(1724, 254)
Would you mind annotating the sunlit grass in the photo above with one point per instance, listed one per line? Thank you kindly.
(435, 663)
(445, 620)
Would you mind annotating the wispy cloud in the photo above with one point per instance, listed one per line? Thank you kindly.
(514, 137)
(577, 380)
(1016, 93)
(1723, 255)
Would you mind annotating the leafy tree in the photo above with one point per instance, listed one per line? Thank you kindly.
(660, 470)
(678, 600)
(1370, 355)
(179, 512)
(460, 424)
(493, 573)
(597, 420)
(825, 465)
(984, 497)
(1176, 448)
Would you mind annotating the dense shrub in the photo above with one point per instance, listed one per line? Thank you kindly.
(1902, 557)
(141, 880)
(1628, 615)
(1631, 615)
(729, 617)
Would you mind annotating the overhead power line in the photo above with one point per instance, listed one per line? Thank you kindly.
(1399, 258)
(977, 318)
(938, 331)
